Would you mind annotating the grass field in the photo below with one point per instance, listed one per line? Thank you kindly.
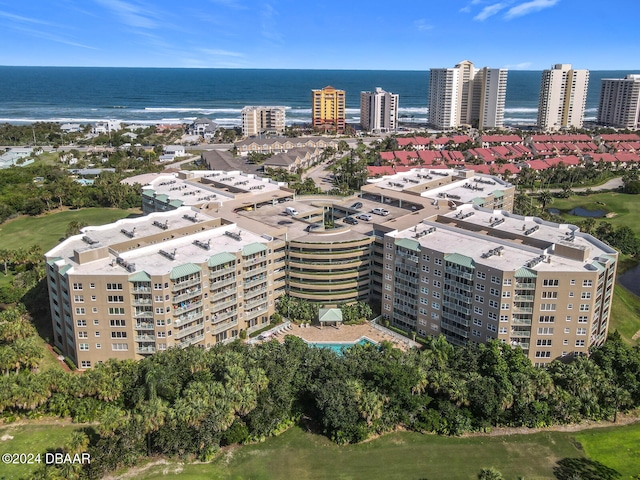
(625, 314)
(403, 455)
(625, 206)
(49, 229)
(616, 447)
(30, 439)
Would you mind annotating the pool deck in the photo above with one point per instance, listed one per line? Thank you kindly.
(343, 333)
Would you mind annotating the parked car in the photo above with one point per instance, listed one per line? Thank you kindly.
(380, 211)
(291, 211)
(350, 220)
(363, 216)
(356, 205)
(312, 226)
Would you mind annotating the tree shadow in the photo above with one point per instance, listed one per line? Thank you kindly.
(583, 469)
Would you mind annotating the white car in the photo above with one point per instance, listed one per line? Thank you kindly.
(363, 216)
(380, 211)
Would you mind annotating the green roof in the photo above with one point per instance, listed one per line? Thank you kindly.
(330, 315)
(53, 260)
(498, 193)
(525, 273)
(148, 192)
(598, 266)
(478, 201)
(408, 244)
(253, 248)
(176, 203)
(162, 197)
(64, 269)
(184, 270)
(460, 259)
(221, 258)
(140, 277)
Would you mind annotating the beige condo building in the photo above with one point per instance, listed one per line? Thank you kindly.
(328, 109)
(257, 120)
(563, 96)
(619, 104)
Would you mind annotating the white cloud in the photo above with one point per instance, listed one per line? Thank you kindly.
(529, 7)
(130, 14)
(221, 53)
(21, 19)
(489, 11)
(422, 25)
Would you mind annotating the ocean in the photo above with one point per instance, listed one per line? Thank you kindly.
(166, 95)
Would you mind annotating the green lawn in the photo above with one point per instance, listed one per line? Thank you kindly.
(625, 206)
(30, 439)
(49, 229)
(403, 455)
(625, 314)
(616, 447)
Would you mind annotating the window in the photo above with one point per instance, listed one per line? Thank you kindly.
(567, 330)
(387, 296)
(543, 342)
(480, 287)
(493, 303)
(476, 333)
(387, 286)
(435, 316)
(85, 364)
(114, 286)
(424, 301)
(491, 327)
(581, 331)
(495, 279)
(569, 306)
(157, 286)
(161, 334)
(481, 275)
(116, 310)
(162, 346)
(506, 294)
(583, 319)
(115, 298)
(160, 310)
(77, 286)
(506, 282)
(585, 307)
(435, 305)
(425, 268)
(424, 280)
(84, 347)
(387, 266)
(93, 298)
(477, 321)
(492, 316)
(92, 285)
(543, 354)
(568, 319)
(587, 283)
(572, 282)
(94, 310)
(389, 256)
(547, 307)
(585, 295)
(96, 334)
(479, 298)
(494, 291)
(80, 311)
(78, 298)
(389, 245)
(548, 282)
(81, 323)
(83, 334)
(549, 294)
(503, 329)
(565, 342)
(437, 261)
(505, 306)
(571, 294)
(435, 294)
(424, 290)
(437, 273)
(437, 284)
(160, 322)
(547, 319)
(545, 330)
(579, 343)
(117, 322)
(425, 258)
(422, 311)
(504, 318)
(158, 298)
(96, 321)
(118, 334)
(122, 347)
(434, 327)
(477, 310)
(387, 306)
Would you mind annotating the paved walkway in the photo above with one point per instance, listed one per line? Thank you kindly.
(612, 184)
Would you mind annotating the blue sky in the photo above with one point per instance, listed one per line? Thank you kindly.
(323, 34)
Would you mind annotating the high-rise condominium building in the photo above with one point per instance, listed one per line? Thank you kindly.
(257, 120)
(379, 111)
(465, 95)
(563, 95)
(328, 109)
(620, 102)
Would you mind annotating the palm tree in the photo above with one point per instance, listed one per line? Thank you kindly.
(545, 198)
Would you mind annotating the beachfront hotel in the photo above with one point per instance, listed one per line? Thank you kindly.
(465, 95)
(436, 251)
(257, 120)
(563, 96)
(328, 109)
(379, 111)
(619, 104)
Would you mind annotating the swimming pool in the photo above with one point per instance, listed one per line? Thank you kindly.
(338, 346)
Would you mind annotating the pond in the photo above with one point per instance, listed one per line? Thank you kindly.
(581, 212)
(631, 280)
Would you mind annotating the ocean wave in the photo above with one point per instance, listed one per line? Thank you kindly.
(405, 110)
(590, 110)
(520, 120)
(189, 109)
(521, 110)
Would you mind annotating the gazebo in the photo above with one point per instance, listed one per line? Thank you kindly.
(330, 316)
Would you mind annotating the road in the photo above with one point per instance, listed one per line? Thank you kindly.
(612, 184)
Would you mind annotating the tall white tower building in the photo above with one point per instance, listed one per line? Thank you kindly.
(563, 95)
(379, 111)
(256, 120)
(465, 95)
(619, 104)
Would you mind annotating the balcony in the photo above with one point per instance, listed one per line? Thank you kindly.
(144, 326)
(222, 293)
(142, 301)
(144, 314)
(145, 338)
(187, 295)
(222, 271)
(181, 333)
(458, 273)
(188, 317)
(145, 350)
(190, 341)
(141, 290)
(223, 282)
(521, 334)
(526, 286)
(254, 292)
(457, 308)
(187, 307)
(185, 284)
(254, 271)
(517, 309)
(222, 326)
(218, 317)
(255, 281)
(255, 301)
(255, 313)
(524, 298)
(521, 321)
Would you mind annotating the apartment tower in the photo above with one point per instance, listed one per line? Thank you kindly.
(465, 95)
(563, 95)
(379, 111)
(257, 120)
(328, 109)
(619, 104)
